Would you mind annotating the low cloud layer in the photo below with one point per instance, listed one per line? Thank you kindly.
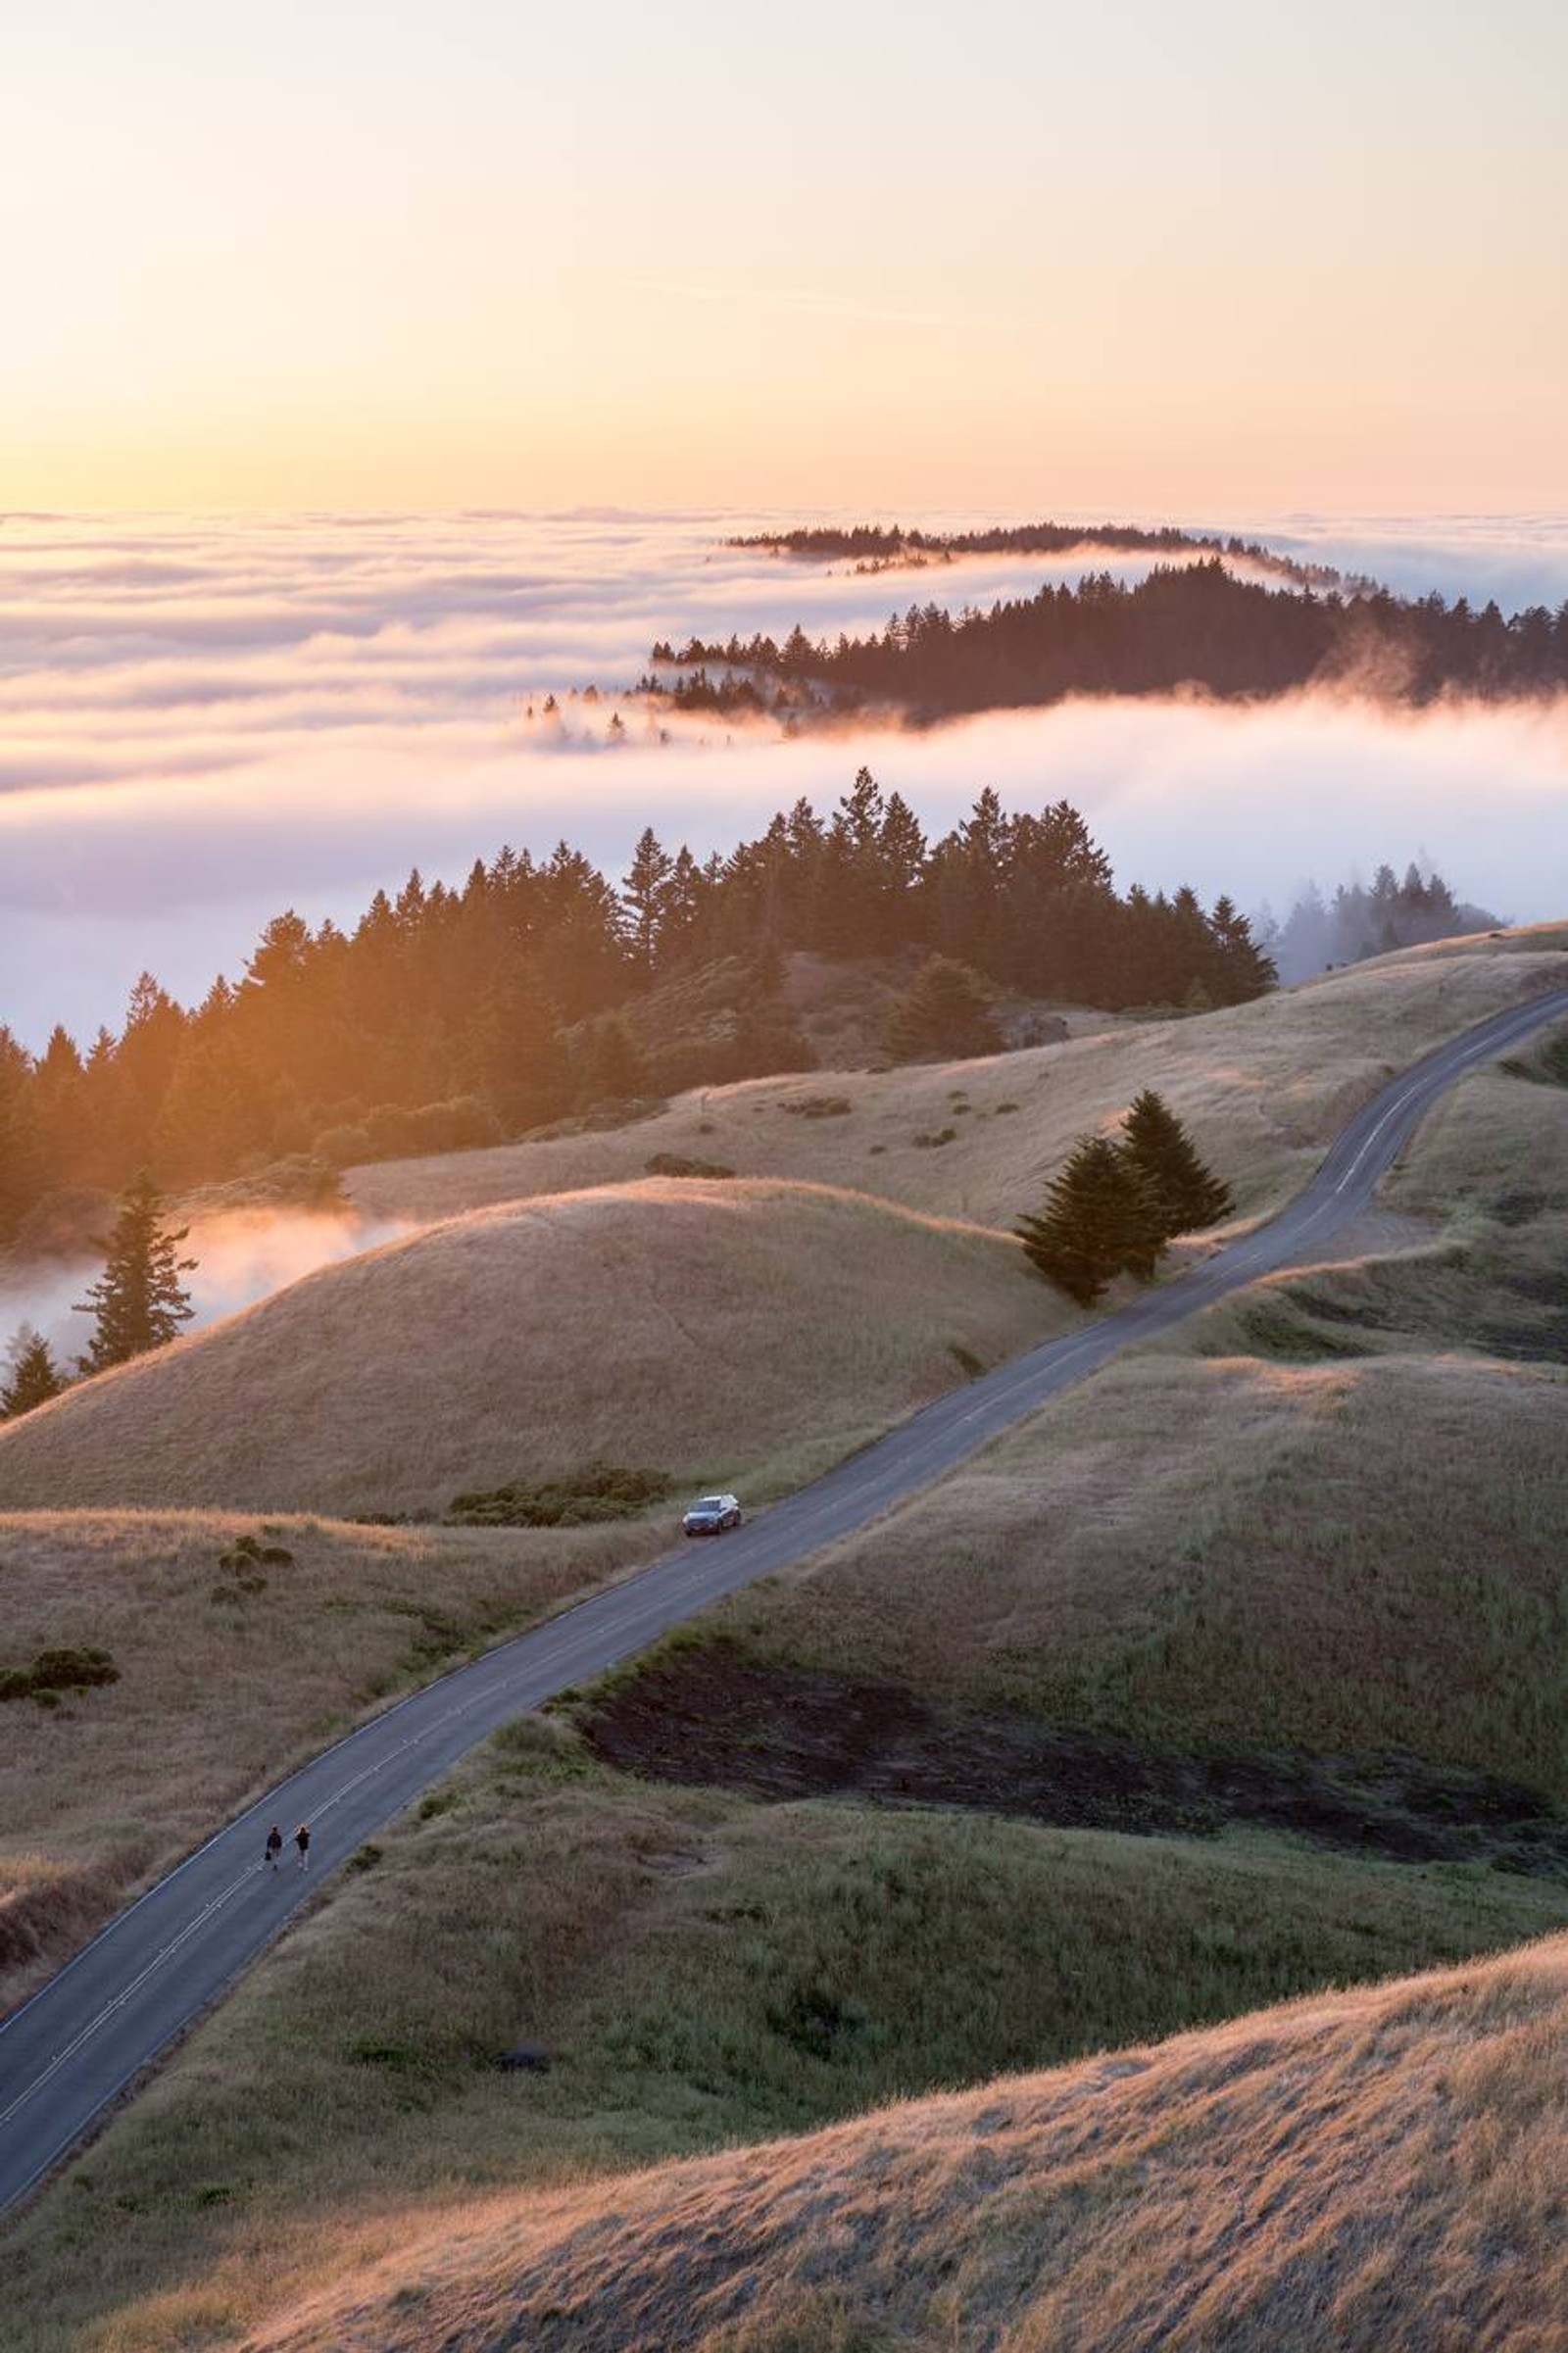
(202, 723)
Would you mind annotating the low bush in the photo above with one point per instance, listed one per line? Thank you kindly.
(601, 1491)
(55, 1670)
(817, 1106)
(926, 1142)
(675, 1164)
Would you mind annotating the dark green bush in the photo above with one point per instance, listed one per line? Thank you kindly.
(600, 1491)
(675, 1164)
(55, 1670)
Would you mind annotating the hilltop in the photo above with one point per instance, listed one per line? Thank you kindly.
(1263, 1087)
(1368, 2172)
(713, 1332)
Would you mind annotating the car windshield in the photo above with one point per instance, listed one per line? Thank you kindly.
(709, 1504)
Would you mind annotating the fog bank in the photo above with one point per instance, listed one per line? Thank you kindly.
(202, 723)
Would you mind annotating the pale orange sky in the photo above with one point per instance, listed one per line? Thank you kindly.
(1200, 257)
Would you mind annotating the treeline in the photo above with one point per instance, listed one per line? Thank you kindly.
(454, 1017)
(877, 546)
(1357, 922)
(1197, 627)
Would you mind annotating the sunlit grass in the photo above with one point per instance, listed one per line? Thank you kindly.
(701, 1971)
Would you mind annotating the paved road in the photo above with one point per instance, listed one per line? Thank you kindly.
(93, 2027)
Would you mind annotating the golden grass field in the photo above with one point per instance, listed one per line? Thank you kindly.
(1263, 1088)
(703, 1971)
(1332, 1515)
(1368, 2172)
(217, 1698)
(733, 1335)
(1344, 1557)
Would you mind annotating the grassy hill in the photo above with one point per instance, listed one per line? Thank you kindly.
(1263, 1087)
(1329, 1516)
(229, 1668)
(1373, 2172)
(741, 1333)
(1289, 1583)
(699, 1970)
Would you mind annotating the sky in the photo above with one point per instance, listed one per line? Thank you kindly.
(1231, 255)
(204, 720)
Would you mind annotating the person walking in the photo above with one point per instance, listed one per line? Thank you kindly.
(274, 1846)
(302, 1839)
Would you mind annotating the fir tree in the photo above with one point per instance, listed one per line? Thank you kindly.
(1097, 1222)
(34, 1379)
(613, 1067)
(139, 1301)
(946, 1014)
(1184, 1193)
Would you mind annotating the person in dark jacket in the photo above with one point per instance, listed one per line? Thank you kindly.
(274, 1846)
(302, 1839)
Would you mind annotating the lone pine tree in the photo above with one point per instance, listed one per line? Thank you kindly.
(947, 1013)
(1184, 1193)
(34, 1379)
(1097, 1222)
(139, 1301)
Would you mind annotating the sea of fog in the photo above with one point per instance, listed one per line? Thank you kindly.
(203, 721)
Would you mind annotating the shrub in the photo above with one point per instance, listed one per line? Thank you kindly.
(55, 1670)
(929, 1142)
(675, 1164)
(817, 1106)
(600, 1491)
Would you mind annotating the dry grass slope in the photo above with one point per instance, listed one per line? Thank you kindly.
(1263, 1087)
(1371, 2172)
(739, 1334)
(219, 1690)
(702, 1971)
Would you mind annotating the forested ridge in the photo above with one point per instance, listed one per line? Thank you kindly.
(880, 547)
(1195, 627)
(459, 1015)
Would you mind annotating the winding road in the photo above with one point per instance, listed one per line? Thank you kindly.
(86, 2034)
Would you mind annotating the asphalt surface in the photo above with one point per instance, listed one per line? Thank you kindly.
(90, 2032)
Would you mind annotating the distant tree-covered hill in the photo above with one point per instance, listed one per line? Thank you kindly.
(883, 547)
(1193, 627)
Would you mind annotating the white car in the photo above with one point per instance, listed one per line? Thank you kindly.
(710, 1516)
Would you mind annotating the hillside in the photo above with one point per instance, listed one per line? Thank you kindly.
(1234, 1674)
(225, 1670)
(1263, 1087)
(698, 1969)
(737, 1334)
(1328, 1517)
(1370, 2172)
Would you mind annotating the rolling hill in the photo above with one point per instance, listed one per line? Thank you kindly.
(1263, 1086)
(1367, 2172)
(736, 1334)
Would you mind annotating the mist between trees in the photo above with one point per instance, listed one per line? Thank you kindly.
(1357, 922)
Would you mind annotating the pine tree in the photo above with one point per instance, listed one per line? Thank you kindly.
(1097, 1223)
(613, 1068)
(36, 1378)
(1185, 1195)
(139, 1301)
(945, 1015)
(645, 894)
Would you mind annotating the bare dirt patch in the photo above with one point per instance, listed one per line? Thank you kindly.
(707, 1714)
